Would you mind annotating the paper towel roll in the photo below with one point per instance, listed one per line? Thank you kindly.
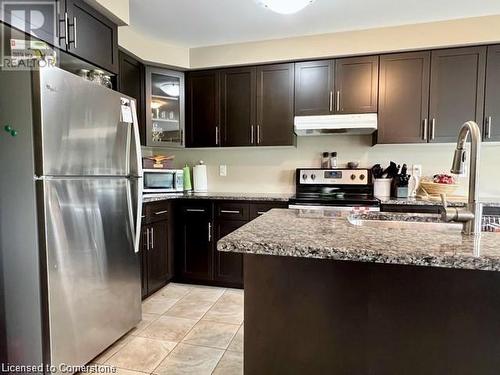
(200, 179)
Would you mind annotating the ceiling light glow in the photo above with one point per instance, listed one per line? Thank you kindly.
(285, 6)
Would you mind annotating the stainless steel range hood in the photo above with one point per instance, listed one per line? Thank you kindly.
(336, 124)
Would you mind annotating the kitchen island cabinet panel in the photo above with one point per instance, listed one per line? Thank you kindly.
(228, 266)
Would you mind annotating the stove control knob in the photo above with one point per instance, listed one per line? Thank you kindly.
(304, 176)
(313, 177)
(362, 177)
(353, 177)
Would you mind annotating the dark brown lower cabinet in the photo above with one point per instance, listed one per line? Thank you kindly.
(228, 266)
(195, 241)
(156, 249)
(201, 224)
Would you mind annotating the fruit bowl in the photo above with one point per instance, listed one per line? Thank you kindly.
(433, 188)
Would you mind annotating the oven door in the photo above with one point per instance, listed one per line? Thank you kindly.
(160, 181)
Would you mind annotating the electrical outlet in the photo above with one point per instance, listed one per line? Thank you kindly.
(416, 170)
(223, 170)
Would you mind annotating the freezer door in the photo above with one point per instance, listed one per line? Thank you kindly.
(82, 132)
(93, 272)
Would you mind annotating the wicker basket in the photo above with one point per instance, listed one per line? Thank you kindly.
(433, 188)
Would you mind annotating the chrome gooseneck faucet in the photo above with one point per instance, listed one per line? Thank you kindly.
(471, 216)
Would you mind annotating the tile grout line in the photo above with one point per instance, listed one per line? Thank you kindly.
(187, 333)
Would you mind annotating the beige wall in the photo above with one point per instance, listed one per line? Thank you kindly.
(272, 169)
(151, 50)
(116, 10)
(475, 30)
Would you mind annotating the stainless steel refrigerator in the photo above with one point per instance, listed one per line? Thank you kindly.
(70, 216)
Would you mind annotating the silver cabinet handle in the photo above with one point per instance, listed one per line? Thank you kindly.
(258, 134)
(147, 239)
(488, 127)
(152, 238)
(195, 210)
(209, 232)
(261, 212)
(251, 134)
(66, 27)
(161, 212)
(425, 131)
(217, 135)
(74, 33)
(433, 129)
(229, 212)
(338, 100)
(331, 101)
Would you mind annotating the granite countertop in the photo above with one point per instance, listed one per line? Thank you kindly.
(488, 202)
(286, 232)
(265, 197)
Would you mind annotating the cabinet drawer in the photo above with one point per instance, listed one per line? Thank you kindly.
(232, 210)
(257, 209)
(155, 211)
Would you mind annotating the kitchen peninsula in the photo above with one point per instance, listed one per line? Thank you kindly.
(324, 295)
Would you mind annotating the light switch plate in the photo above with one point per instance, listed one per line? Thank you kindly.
(223, 170)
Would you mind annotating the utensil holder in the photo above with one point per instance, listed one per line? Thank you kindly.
(382, 187)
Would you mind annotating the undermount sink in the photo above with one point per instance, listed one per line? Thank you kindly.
(403, 221)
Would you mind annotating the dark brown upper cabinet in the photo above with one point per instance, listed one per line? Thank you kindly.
(131, 82)
(275, 94)
(457, 91)
(404, 98)
(314, 88)
(92, 36)
(492, 98)
(238, 103)
(356, 85)
(203, 109)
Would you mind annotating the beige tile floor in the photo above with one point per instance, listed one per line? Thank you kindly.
(185, 329)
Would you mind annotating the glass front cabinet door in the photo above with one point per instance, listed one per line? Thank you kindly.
(165, 108)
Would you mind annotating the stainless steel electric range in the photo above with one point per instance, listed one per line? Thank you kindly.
(334, 189)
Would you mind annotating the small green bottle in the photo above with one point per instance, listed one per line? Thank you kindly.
(187, 178)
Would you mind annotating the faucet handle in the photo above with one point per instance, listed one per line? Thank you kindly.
(443, 200)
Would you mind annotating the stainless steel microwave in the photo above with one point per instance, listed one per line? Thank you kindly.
(163, 180)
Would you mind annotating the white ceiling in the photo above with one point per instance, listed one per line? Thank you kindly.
(195, 23)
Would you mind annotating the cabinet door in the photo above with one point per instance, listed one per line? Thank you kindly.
(92, 36)
(144, 247)
(164, 107)
(457, 91)
(228, 266)
(314, 88)
(26, 16)
(158, 256)
(356, 85)
(275, 93)
(404, 98)
(196, 242)
(202, 114)
(492, 106)
(238, 107)
(131, 83)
